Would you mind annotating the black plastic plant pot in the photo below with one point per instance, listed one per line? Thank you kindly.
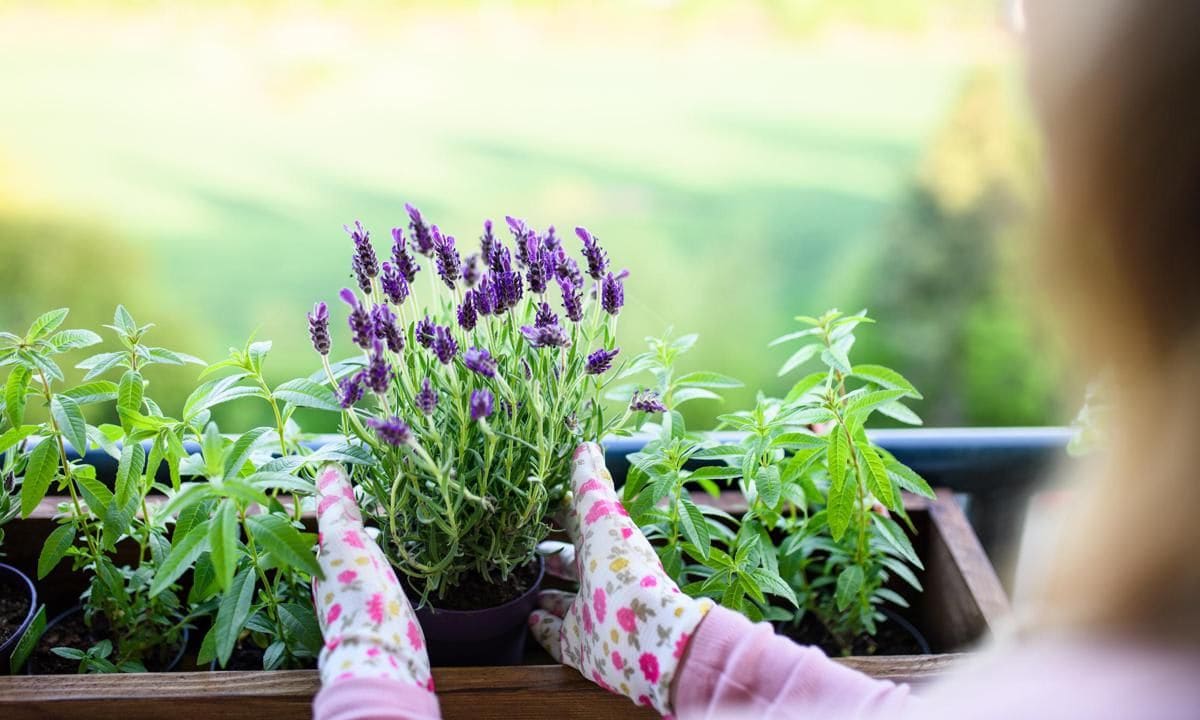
(470, 638)
(19, 587)
(31, 666)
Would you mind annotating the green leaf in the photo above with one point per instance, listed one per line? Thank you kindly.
(123, 321)
(836, 358)
(274, 655)
(904, 476)
(798, 358)
(683, 395)
(290, 546)
(217, 392)
(29, 640)
(45, 325)
(885, 377)
(70, 422)
(804, 386)
(99, 364)
(96, 494)
(300, 621)
(693, 525)
(92, 392)
(280, 481)
(775, 585)
(716, 472)
(242, 449)
(848, 584)
(708, 380)
(865, 404)
(798, 440)
(43, 463)
(768, 485)
(721, 452)
(841, 488)
(129, 397)
(903, 571)
(794, 335)
(891, 596)
(878, 481)
(55, 548)
(183, 555)
(129, 471)
(894, 535)
(65, 340)
(245, 494)
(233, 613)
(222, 540)
(900, 411)
(14, 394)
(14, 435)
(305, 393)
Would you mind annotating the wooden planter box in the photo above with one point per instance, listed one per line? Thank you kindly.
(962, 601)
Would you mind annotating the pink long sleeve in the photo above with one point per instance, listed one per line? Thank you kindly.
(736, 667)
(375, 699)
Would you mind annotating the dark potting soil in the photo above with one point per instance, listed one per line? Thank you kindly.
(476, 593)
(251, 658)
(14, 606)
(73, 632)
(891, 639)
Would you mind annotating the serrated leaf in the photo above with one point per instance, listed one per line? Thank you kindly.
(894, 535)
(305, 393)
(300, 621)
(885, 377)
(836, 358)
(69, 419)
(129, 397)
(848, 585)
(217, 392)
(280, 481)
(43, 464)
(97, 365)
(244, 493)
(841, 488)
(773, 584)
(903, 571)
(237, 456)
(798, 440)
(92, 392)
(708, 380)
(794, 336)
(45, 324)
(878, 481)
(9, 438)
(768, 485)
(798, 358)
(693, 525)
(716, 472)
(183, 555)
(64, 340)
(900, 411)
(96, 495)
(865, 404)
(681, 396)
(55, 548)
(232, 614)
(15, 390)
(804, 386)
(904, 476)
(129, 471)
(222, 540)
(124, 321)
(292, 547)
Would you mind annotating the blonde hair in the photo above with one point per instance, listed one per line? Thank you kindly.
(1116, 89)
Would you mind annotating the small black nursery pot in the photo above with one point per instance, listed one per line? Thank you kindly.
(18, 604)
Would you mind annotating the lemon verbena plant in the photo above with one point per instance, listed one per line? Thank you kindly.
(471, 387)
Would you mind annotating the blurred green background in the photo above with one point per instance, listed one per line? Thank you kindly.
(746, 161)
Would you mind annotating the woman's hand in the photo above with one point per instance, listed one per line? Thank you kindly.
(369, 627)
(629, 625)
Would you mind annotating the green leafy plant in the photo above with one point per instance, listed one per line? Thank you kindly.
(138, 626)
(478, 392)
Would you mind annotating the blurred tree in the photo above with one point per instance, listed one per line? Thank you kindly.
(948, 286)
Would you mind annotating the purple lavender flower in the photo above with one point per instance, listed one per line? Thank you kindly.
(449, 266)
(392, 431)
(470, 270)
(420, 231)
(508, 291)
(600, 361)
(483, 296)
(550, 241)
(487, 243)
(546, 336)
(612, 294)
(318, 328)
(567, 269)
(545, 316)
(385, 327)
(362, 329)
(350, 389)
(426, 398)
(539, 270)
(444, 345)
(480, 361)
(482, 404)
(521, 237)
(466, 312)
(395, 287)
(646, 401)
(425, 332)
(403, 259)
(365, 264)
(379, 370)
(597, 259)
(572, 299)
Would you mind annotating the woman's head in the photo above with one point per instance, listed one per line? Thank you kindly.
(1116, 86)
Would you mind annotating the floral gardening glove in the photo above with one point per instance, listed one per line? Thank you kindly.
(629, 625)
(369, 627)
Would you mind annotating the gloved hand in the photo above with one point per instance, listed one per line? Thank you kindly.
(629, 625)
(369, 627)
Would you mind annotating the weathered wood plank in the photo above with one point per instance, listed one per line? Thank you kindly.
(539, 692)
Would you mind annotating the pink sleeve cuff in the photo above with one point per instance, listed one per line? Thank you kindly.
(734, 666)
(375, 699)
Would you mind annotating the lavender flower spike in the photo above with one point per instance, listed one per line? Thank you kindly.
(393, 431)
(395, 286)
(596, 258)
(480, 361)
(612, 294)
(600, 361)
(487, 243)
(545, 336)
(425, 332)
(379, 371)
(402, 258)
(544, 317)
(365, 264)
(470, 270)
(572, 299)
(449, 266)
(420, 231)
(362, 329)
(385, 328)
(444, 345)
(482, 404)
(350, 389)
(466, 312)
(426, 398)
(318, 328)
(646, 401)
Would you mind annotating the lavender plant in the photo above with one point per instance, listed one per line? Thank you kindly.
(472, 393)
